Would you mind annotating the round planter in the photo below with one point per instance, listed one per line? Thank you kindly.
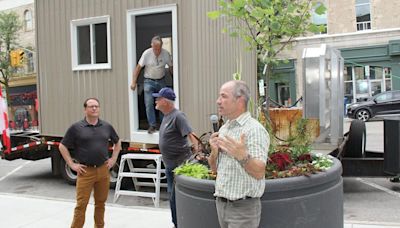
(295, 202)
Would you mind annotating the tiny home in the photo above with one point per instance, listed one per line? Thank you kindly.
(90, 49)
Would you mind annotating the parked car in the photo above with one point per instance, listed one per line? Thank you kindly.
(386, 103)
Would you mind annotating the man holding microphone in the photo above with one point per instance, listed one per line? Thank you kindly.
(239, 152)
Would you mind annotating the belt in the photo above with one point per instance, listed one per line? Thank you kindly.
(154, 79)
(225, 200)
(91, 165)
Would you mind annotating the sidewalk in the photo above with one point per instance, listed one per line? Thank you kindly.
(33, 212)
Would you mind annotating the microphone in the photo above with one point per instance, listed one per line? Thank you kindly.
(214, 121)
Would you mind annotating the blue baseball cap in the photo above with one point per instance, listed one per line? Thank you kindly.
(165, 92)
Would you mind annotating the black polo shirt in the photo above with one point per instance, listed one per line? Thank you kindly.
(90, 142)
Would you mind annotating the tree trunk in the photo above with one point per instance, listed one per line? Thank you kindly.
(267, 76)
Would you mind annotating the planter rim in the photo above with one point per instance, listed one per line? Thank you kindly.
(273, 185)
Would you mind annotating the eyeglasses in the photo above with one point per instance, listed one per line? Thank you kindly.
(93, 106)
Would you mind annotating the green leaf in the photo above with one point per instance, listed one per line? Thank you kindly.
(238, 3)
(314, 28)
(321, 9)
(213, 15)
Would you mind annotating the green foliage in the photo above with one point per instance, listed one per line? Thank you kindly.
(301, 133)
(195, 170)
(9, 27)
(322, 162)
(268, 26)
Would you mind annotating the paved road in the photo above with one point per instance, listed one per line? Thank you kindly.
(35, 178)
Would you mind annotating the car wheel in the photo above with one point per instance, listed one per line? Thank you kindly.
(355, 145)
(363, 115)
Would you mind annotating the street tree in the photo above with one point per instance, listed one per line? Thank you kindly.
(268, 27)
(10, 24)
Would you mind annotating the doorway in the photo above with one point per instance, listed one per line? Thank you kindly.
(142, 25)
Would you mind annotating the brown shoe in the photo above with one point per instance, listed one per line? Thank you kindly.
(151, 130)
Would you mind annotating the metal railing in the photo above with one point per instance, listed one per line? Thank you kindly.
(365, 25)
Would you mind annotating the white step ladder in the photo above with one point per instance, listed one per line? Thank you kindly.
(134, 173)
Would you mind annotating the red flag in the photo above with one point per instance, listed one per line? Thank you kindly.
(4, 128)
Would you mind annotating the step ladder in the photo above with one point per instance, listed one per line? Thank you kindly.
(135, 173)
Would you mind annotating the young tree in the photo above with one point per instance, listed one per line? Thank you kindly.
(268, 26)
(10, 24)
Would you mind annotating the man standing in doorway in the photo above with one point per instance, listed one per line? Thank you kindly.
(239, 152)
(89, 138)
(174, 145)
(154, 60)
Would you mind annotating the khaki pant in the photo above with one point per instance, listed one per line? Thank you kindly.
(239, 214)
(99, 180)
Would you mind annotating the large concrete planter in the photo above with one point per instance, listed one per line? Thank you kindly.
(295, 202)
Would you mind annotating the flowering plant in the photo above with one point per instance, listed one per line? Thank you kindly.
(293, 157)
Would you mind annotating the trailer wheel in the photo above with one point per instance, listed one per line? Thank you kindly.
(67, 173)
(355, 146)
(70, 175)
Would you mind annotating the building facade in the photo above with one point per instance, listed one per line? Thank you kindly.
(23, 109)
(367, 32)
(203, 59)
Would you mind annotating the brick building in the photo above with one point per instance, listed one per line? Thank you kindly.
(367, 32)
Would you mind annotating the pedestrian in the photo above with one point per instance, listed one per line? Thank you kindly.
(154, 60)
(239, 152)
(174, 144)
(89, 139)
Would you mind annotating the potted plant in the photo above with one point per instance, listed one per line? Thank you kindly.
(302, 189)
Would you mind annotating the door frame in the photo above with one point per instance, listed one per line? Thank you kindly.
(137, 135)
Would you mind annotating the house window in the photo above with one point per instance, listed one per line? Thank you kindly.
(28, 25)
(90, 41)
(319, 19)
(363, 15)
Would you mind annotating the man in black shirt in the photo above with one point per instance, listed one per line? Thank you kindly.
(89, 139)
(175, 134)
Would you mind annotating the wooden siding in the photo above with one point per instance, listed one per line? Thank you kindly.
(207, 58)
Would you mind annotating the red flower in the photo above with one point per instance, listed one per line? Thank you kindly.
(305, 157)
(281, 159)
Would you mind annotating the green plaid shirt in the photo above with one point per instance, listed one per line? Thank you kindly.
(233, 182)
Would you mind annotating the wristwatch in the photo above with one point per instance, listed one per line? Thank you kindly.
(244, 161)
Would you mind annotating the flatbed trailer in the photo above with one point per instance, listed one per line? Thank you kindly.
(33, 146)
(358, 162)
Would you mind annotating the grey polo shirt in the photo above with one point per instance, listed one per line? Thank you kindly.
(89, 142)
(173, 143)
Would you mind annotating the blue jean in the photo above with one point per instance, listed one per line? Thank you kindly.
(150, 87)
(171, 193)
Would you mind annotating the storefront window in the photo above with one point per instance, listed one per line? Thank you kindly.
(361, 87)
(359, 72)
(369, 81)
(376, 72)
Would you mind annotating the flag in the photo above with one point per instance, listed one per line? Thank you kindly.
(4, 129)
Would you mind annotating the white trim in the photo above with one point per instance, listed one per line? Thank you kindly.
(363, 32)
(74, 46)
(137, 135)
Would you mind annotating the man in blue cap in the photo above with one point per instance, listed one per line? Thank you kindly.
(174, 144)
